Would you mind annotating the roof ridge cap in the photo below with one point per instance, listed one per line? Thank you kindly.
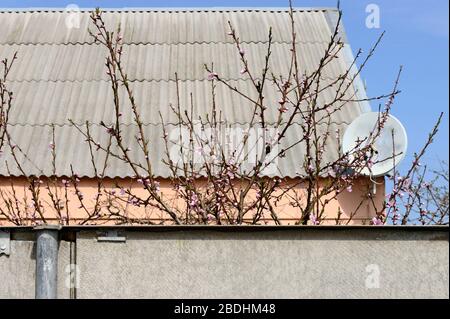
(169, 9)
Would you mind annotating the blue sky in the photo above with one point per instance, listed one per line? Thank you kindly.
(417, 37)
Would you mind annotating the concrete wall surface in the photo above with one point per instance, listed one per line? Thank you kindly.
(239, 262)
(18, 270)
(305, 263)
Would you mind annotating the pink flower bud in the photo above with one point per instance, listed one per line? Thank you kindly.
(377, 222)
(212, 76)
(283, 109)
(313, 219)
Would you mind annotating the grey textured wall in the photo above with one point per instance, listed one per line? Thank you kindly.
(243, 263)
(265, 264)
(17, 271)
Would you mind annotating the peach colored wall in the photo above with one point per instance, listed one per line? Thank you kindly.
(356, 203)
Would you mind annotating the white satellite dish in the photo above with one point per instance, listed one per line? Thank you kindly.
(392, 139)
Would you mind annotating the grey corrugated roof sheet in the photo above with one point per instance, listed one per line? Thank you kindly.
(165, 26)
(149, 62)
(73, 150)
(60, 75)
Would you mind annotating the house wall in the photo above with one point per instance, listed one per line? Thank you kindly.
(18, 270)
(356, 207)
(238, 262)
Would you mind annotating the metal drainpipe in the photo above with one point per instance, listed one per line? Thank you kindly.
(47, 242)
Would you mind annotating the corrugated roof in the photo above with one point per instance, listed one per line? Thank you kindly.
(159, 62)
(45, 102)
(72, 149)
(60, 75)
(167, 26)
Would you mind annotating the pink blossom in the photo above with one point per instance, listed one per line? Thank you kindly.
(391, 203)
(122, 192)
(212, 76)
(337, 133)
(51, 146)
(407, 183)
(377, 222)
(199, 150)
(193, 200)
(395, 217)
(135, 202)
(243, 71)
(313, 219)
(156, 185)
(241, 52)
(283, 109)
(349, 188)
